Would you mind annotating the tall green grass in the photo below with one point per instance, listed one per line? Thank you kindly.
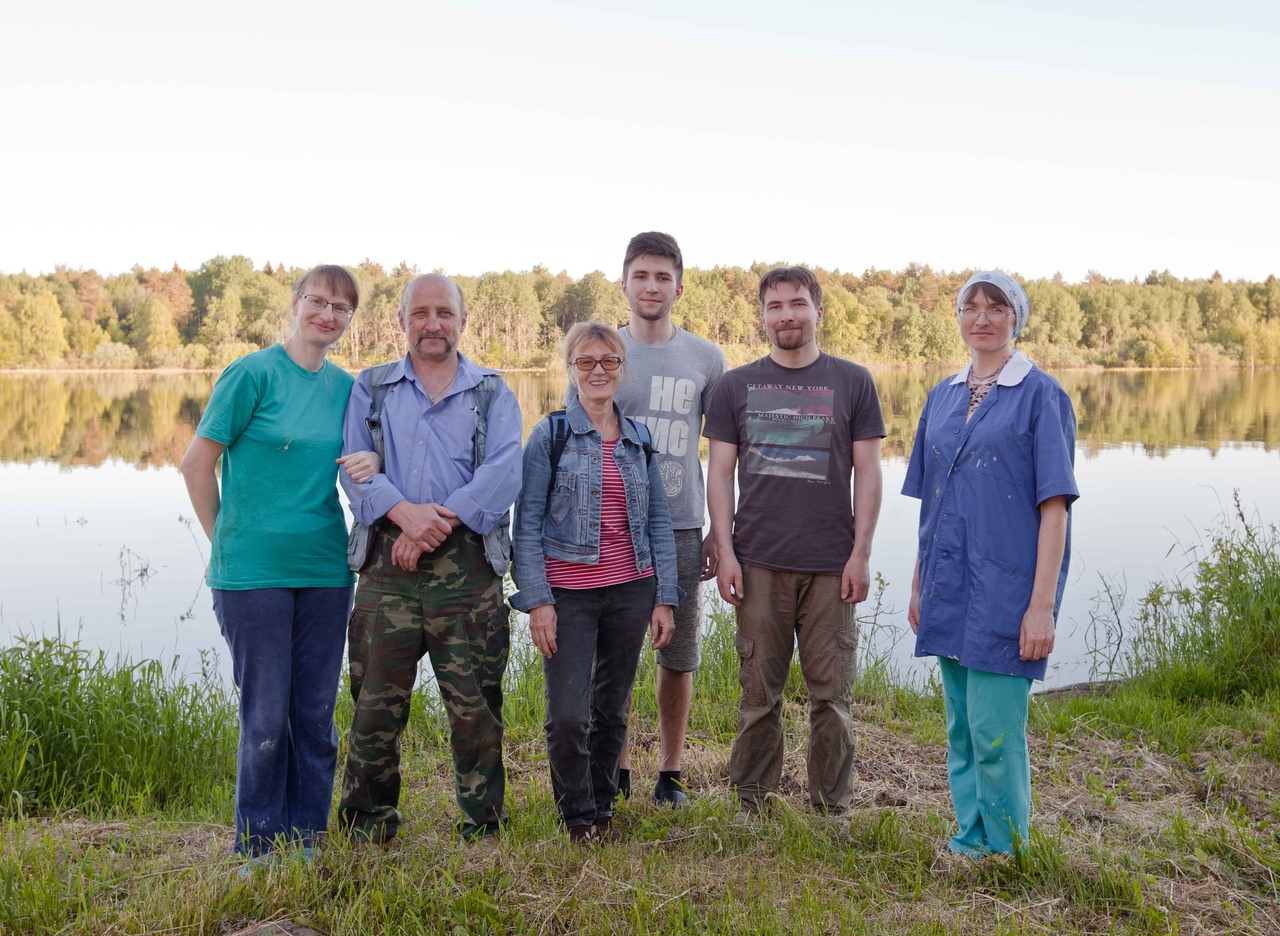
(1217, 636)
(1202, 669)
(81, 731)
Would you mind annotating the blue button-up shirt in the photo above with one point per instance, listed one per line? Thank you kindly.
(428, 448)
(981, 484)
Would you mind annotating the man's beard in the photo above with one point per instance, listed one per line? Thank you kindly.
(653, 315)
(792, 339)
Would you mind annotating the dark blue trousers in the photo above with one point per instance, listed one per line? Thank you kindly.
(286, 653)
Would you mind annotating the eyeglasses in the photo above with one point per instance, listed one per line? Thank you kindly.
(969, 313)
(317, 304)
(587, 364)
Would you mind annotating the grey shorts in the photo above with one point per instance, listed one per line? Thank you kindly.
(684, 653)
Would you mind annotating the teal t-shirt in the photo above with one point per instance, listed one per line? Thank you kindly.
(280, 524)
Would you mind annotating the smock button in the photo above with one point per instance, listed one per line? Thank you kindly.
(593, 526)
(420, 442)
(955, 431)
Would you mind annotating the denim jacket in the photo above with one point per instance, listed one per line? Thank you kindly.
(568, 527)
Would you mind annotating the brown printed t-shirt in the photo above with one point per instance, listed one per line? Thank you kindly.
(795, 429)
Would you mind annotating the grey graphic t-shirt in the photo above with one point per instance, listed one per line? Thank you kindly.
(668, 387)
(795, 429)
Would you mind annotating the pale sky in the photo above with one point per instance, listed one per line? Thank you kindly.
(1034, 137)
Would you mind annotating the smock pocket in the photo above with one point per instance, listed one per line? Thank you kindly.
(561, 506)
(1009, 457)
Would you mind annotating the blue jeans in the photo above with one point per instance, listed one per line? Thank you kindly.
(599, 633)
(286, 653)
(987, 762)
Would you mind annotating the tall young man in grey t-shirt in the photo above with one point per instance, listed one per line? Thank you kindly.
(795, 556)
(670, 375)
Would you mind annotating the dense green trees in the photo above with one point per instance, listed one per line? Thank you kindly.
(227, 307)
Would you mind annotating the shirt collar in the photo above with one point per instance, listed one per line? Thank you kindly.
(1010, 376)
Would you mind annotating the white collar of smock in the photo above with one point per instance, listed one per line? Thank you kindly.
(1018, 367)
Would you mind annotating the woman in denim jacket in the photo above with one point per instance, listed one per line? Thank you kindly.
(595, 562)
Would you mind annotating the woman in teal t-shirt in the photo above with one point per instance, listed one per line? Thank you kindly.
(278, 567)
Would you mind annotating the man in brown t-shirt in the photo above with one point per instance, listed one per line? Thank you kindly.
(795, 557)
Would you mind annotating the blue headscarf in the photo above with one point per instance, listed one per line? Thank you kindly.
(1009, 286)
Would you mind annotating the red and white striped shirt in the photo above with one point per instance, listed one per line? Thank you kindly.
(617, 553)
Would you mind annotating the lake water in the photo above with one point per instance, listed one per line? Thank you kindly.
(100, 538)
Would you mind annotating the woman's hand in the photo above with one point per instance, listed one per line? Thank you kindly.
(1035, 642)
(542, 628)
(361, 466)
(662, 626)
(913, 609)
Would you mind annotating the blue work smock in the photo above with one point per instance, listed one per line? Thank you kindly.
(980, 485)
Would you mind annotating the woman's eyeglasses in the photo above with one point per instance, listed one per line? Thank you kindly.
(317, 304)
(993, 313)
(610, 362)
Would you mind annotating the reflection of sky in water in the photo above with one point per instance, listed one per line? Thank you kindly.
(67, 530)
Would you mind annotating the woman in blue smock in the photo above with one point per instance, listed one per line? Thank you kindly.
(993, 467)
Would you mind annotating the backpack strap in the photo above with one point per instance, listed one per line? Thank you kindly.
(378, 390)
(646, 440)
(482, 395)
(361, 539)
(559, 431)
(497, 542)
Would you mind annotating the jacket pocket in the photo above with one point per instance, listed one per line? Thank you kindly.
(562, 506)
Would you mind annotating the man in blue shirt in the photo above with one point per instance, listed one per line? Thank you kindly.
(428, 586)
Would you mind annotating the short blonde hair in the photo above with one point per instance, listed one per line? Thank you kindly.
(587, 332)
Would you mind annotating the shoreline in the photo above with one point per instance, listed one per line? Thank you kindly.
(880, 366)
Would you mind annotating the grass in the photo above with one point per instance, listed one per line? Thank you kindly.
(81, 732)
(1156, 807)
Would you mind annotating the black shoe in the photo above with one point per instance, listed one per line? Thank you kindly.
(669, 791)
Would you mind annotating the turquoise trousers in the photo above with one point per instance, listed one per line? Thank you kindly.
(987, 762)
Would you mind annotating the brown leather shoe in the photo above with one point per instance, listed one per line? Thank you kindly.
(583, 835)
(605, 833)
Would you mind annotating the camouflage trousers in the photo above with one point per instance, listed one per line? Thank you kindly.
(452, 609)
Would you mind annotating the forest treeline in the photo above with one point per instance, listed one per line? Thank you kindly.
(147, 318)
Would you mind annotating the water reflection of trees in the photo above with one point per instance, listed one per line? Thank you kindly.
(149, 419)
